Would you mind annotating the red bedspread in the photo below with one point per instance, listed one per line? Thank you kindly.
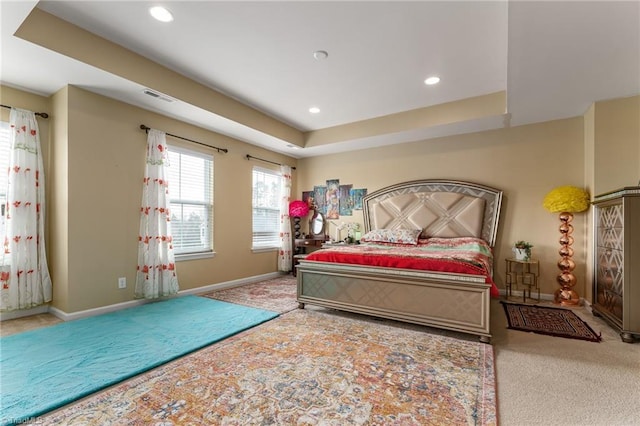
(458, 255)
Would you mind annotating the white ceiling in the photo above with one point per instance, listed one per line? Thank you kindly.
(553, 59)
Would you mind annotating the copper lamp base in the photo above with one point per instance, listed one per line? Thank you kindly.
(565, 295)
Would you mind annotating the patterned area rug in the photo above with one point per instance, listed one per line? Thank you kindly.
(308, 368)
(277, 294)
(551, 321)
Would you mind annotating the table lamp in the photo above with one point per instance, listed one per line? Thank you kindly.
(566, 200)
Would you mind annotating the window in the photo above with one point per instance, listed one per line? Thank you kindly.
(266, 208)
(4, 175)
(191, 192)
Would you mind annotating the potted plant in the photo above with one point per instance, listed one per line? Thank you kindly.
(522, 250)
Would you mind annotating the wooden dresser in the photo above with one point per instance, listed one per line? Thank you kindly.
(616, 287)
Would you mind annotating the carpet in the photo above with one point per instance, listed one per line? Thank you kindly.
(277, 294)
(70, 360)
(558, 322)
(308, 367)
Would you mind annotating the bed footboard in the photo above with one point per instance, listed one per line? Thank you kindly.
(448, 301)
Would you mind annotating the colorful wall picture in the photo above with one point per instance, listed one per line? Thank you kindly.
(346, 202)
(320, 199)
(332, 197)
(335, 200)
(356, 196)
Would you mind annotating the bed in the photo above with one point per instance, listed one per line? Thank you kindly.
(439, 210)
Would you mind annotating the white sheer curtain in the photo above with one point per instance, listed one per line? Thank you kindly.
(24, 275)
(156, 275)
(284, 257)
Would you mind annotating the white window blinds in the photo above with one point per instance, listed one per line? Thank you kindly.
(266, 208)
(191, 192)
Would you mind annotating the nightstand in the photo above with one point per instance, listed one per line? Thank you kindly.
(302, 247)
(308, 242)
(522, 273)
(296, 259)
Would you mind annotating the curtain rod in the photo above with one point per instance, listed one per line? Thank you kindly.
(41, 114)
(225, 150)
(249, 157)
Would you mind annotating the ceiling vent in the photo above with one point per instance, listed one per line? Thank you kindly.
(158, 95)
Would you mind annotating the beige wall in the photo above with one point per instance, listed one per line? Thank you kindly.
(58, 205)
(94, 159)
(525, 162)
(599, 151)
(95, 193)
(106, 165)
(616, 144)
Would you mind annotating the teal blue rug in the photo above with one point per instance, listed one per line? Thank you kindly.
(44, 369)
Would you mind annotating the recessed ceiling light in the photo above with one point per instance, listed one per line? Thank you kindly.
(161, 14)
(320, 54)
(432, 80)
(314, 110)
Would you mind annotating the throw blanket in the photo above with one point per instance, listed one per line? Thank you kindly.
(465, 255)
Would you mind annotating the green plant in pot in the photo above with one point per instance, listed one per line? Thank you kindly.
(522, 250)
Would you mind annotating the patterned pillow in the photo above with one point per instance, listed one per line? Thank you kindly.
(396, 236)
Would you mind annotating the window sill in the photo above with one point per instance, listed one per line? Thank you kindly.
(195, 256)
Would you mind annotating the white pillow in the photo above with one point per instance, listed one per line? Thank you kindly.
(396, 236)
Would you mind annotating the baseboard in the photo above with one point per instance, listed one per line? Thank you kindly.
(518, 294)
(543, 296)
(230, 284)
(65, 316)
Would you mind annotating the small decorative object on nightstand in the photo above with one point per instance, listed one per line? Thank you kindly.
(522, 250)
(524, 274)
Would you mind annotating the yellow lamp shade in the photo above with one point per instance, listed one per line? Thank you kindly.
(566, 198)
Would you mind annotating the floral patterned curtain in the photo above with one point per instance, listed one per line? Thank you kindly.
(285, 253)
(156, 275)
(24, 274)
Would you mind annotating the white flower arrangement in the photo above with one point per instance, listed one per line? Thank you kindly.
(351, 227)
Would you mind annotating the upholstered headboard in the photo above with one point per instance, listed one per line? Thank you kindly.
(441, 208)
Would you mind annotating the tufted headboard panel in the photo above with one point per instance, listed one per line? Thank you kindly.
(440, 208)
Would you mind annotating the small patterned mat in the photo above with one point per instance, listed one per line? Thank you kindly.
(551, 321)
